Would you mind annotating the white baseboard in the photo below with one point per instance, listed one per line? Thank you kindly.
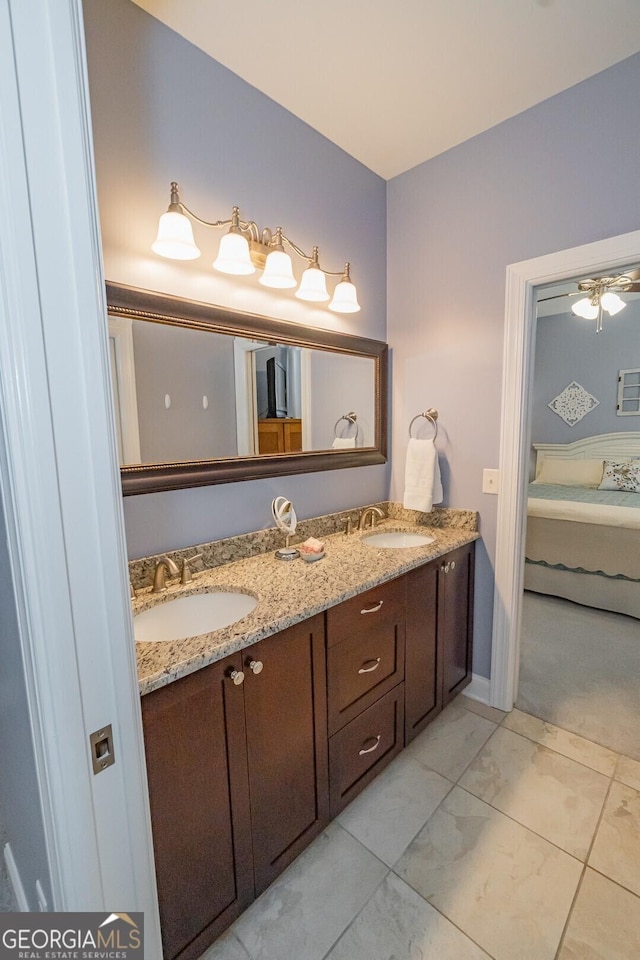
(479, 689)
(14, 879)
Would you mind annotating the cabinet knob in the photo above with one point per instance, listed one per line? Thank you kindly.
(376, 743)
(453, 564)
(445, 567)
(237, 676)
(374, 608)
(256, 666)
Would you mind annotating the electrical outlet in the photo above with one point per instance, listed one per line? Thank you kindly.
(43, 906)
(490, 481)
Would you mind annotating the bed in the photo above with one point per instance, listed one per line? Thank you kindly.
(583, 542)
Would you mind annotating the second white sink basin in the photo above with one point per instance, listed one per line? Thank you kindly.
(397, 539)
(190, 616)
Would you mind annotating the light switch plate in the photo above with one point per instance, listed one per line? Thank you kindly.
(490, 481)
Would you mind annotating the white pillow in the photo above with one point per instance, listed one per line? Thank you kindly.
(570, 473)
(621, 475)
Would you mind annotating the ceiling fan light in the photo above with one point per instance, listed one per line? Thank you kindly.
(584, 308)
(313, 286)
(612, 303)
(233, 255)
(278, 271)
(174, 239)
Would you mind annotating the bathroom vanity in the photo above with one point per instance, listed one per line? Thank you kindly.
(251, 755)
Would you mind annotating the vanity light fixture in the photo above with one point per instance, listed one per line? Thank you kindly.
(245, 248)
(600, 297)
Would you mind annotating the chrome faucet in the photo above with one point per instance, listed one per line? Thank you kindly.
(374, 512)
(164, 565)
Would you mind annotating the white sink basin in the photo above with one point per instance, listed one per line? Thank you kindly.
(190, 616)
(397, 540)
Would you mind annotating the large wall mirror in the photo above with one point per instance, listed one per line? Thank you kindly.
(207, 395)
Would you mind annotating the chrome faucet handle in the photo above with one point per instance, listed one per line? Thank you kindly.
(187, 574)
(164, 565)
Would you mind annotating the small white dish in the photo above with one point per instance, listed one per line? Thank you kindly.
(311, 557)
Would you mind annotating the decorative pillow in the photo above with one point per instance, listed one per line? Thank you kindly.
(621, 475)
(570, 473)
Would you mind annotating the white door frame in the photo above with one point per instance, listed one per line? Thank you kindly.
(59, 474)
(519, 341)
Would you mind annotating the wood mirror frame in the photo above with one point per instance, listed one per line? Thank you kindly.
(136, 304)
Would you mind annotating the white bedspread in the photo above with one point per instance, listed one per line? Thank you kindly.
(597, 513)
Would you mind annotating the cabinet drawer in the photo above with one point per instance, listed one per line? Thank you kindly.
(367, 612)
(363, 667)
(360, 750)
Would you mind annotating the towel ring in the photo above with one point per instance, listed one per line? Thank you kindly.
(431, 415)
(350, 418)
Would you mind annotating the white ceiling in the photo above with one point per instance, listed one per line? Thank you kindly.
(396, 84)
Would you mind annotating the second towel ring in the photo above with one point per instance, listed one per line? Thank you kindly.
(431, 415)
(350, 418)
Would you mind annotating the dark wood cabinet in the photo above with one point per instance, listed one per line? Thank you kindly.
(439, 636)
(243, 775)
(195, 747)
(423, 661)
(365, 650)
(238, 780)
(455, 620)
(286, 729)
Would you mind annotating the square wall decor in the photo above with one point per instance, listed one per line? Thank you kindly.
(573, 403)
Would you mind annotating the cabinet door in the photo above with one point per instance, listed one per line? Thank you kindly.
(196, 766)
(423, 660)
(286, 721)
(292, 435)
(455, 619)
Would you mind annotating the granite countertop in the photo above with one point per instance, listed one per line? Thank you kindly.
(287, 592)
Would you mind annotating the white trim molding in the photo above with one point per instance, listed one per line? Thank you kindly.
(479, 689)
(519, 343)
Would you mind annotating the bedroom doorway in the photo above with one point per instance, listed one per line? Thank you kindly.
(523, 279)
(580, 631)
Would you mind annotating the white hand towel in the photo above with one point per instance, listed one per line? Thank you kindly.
(422, 483)
(341, 443)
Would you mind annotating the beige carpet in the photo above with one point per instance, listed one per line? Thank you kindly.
(580, 669)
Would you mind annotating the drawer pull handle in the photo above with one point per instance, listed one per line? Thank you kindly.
(374, 608)
(376, 744)
(369, 666)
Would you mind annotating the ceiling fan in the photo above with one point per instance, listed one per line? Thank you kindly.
(601, 295)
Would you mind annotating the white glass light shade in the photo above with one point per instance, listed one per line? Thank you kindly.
(612, 303)
(584, 308)
(278, 271)
(345, 298)
(175, 237)
(313, 286)
(233, 255)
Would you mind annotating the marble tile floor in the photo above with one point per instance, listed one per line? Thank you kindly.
(491, 837)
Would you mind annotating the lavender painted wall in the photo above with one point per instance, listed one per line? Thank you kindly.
(568, 348)
(163, 110)
(547, 179)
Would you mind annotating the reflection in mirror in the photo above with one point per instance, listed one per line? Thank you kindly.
(198, 385)
(195, 395)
